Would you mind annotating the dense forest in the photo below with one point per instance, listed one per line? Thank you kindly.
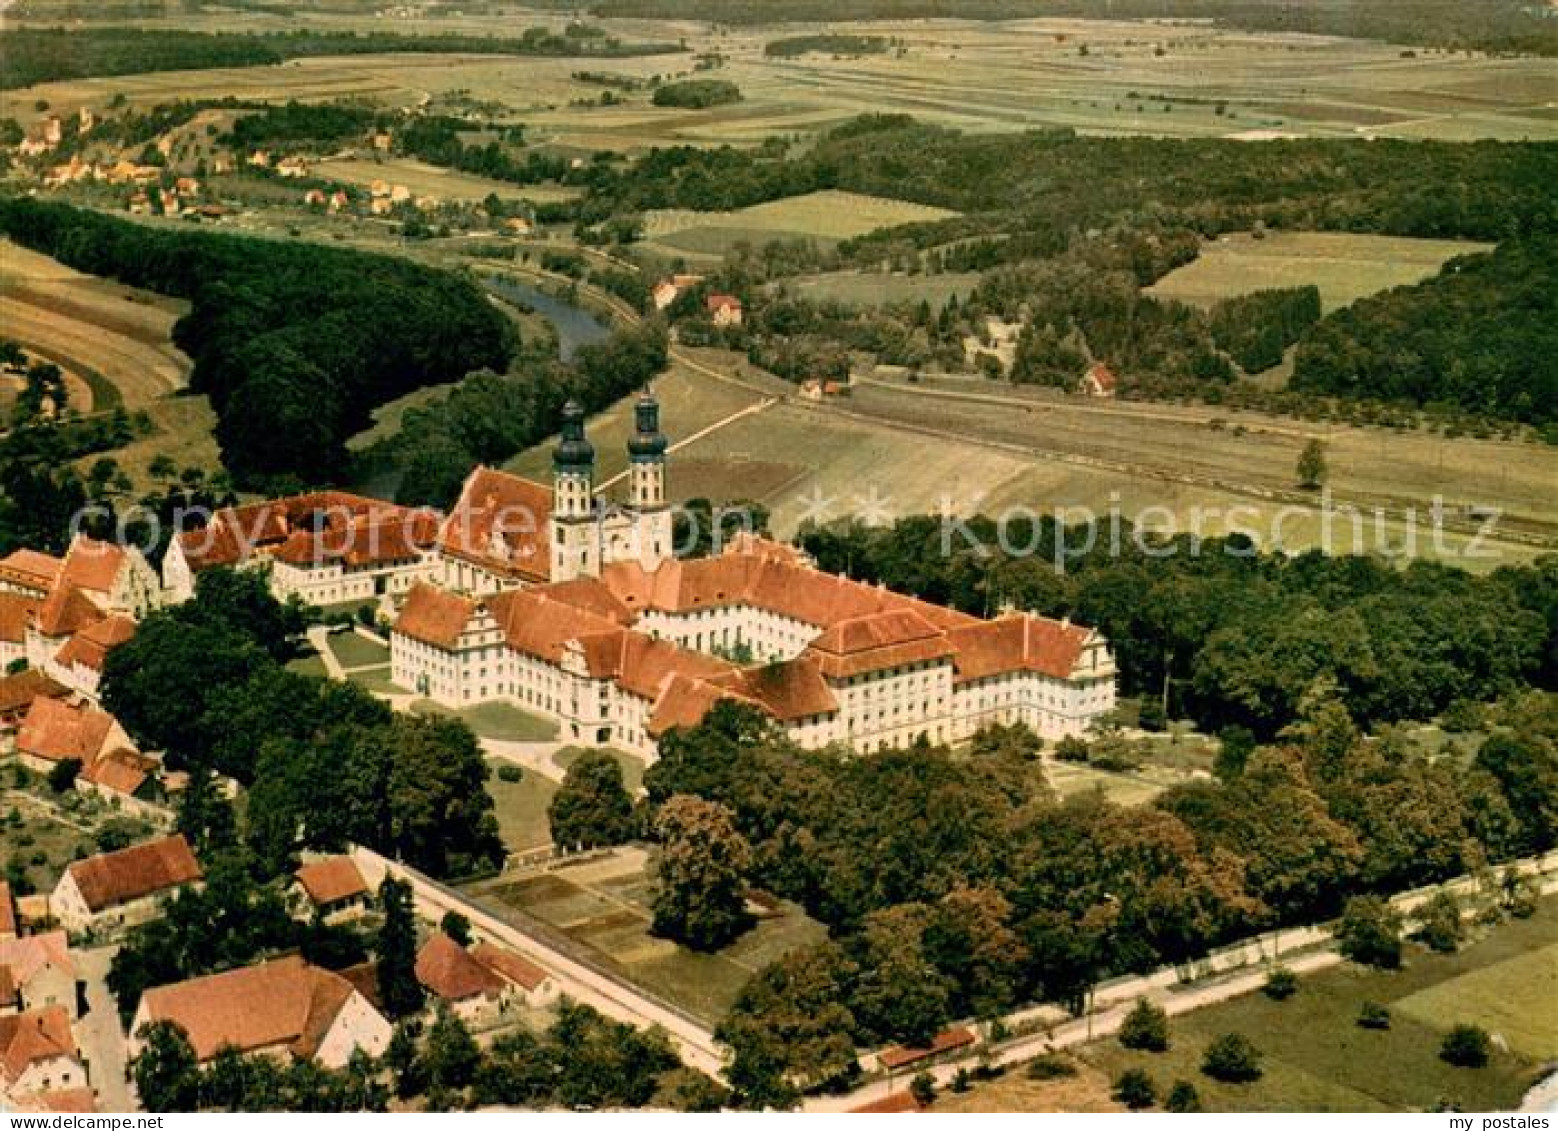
(955, 884)
(1228, 636)
(35, 55)
(294, 343)
(1488, 25)
(1483, 334)
(1256, 329)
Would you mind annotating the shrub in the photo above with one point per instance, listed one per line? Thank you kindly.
(1145, 1028)
(1135, 1089)
(510, 773)
(1183, 1097)
(923, 1089)
(1071, 749)
(1439, 924)
(1373, 1015)
(1370, 932)
(1466, 1046)
(62, 776)
(1050, 1066)
(1281, 984)
(961, 1081)
(1232, 1059)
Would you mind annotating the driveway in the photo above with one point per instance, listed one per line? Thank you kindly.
(99, 1034)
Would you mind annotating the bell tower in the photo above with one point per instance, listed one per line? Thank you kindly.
(646, 496)
(575, 552)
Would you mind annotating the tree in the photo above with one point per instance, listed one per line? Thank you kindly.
(790, 1028)
(1145, 1027)
(1134, 1088)
(923, 1089)
(968, 940)
(1466, 1046)
(396, 951)
(1183, 1098)
(205, 816)
(700, 875)
(1370, 932)
(1439, 925)
(440, 812)
(1311, 466)
(899, 994)
(1281, 984)
(451, 1057)
(1232, 1059)
(592, 807)
(1373, 1015)
(166, 1074)
(456, 926)
(62, 775)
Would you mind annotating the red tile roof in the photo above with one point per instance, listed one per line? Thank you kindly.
(92, 565)
(25, 956)
(320, 525)
(510, 966)
(38, 1035)
(284, 1002)
(876, 642)
(70, 1101)
(449, 971)
(30, 569)
(90, 647)
(132, 873)
(1102, 376)
(898, 1103)
(16, 612)
(1017, 642)
(723, 302)
(331, 880)
(56, 731)
(947, 1040)
(67, 610)
(123, 771)
(17, 692)
(434, 616)
(503, 524)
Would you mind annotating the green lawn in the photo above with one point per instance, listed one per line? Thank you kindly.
(1071, 778)
(375, 680)
(310, 664)
(353, 651)
(521, 807)
(632, 766)
(1316, 1058)
(501, 721)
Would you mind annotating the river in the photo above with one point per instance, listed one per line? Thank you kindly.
(575, 326)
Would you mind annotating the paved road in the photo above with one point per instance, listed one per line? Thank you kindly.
(99, 1034)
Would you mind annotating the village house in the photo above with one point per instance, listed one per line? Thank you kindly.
(724, 310)
(19, 691)
(668, 290)
(334, 889)
(284, 1008)
(54, 731)
(1098, 381)
(517, 226)
(576, 609)
(480, 984)
(123, 889)
(815, 389)
(292, 167)
(36, 973)
(38, 1054)
(339, 201)
(325, 548)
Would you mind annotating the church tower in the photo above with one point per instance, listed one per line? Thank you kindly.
(575, 548)
(646, 497)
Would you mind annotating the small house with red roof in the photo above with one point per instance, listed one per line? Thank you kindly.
(334, 888)
(724, 310)
(123, 888)
(38, 1055)
(1098, 381)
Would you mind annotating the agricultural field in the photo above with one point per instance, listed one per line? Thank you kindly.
(864, 288)
(822, 216)
(1345, 267)
(115, 339)
(604, 905)
(893, 449)
(431, 180)
(1317, 1058)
